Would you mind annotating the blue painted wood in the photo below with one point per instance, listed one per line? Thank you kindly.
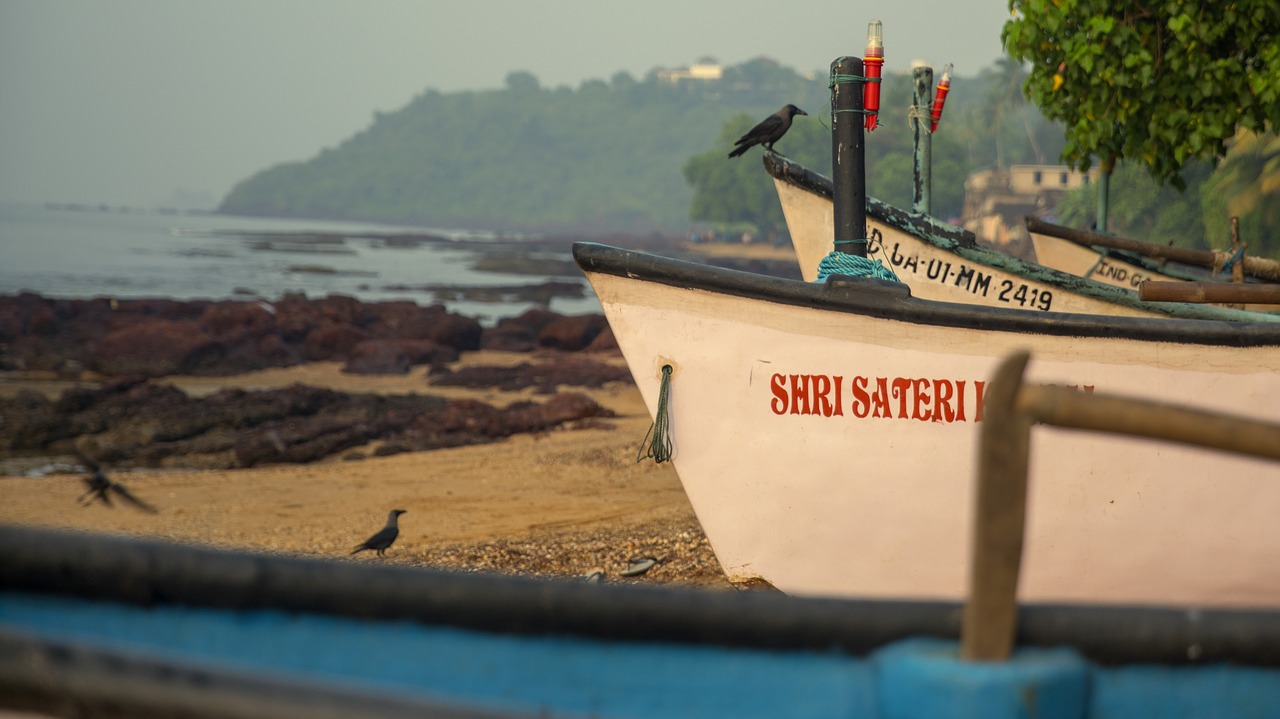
(503, 672)
(562, 676)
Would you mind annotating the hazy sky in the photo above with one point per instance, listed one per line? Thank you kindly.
(131, 101)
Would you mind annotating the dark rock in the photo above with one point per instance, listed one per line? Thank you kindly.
(155, 347)
(331, 340)
(378, 357)
(461, 333)
(518, 334)
(571, 333)
(604, 342)
(546, 377)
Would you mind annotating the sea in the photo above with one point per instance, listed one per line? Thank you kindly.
(78, 251)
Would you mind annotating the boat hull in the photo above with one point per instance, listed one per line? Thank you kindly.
(829, 451)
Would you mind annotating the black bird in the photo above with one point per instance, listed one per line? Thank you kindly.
(102, 488)
(385, 536)
(770, 130)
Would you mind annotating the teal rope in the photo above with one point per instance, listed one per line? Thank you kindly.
(843, 263)
(1239, 255)
(842, 79)
(659, 449)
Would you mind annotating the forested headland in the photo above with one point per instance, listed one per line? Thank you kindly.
(607, 155)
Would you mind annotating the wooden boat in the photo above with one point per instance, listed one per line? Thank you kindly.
(93, 625)
(824, 433)
(942, 262)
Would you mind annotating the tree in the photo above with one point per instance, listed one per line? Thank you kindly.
(1160, 82)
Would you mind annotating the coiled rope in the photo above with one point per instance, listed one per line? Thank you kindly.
(843, 263)
(656, 444)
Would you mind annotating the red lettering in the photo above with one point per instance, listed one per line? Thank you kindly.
(980, 388)
(900, 387)
(880, 399)
(779, 389)
(861, 400)
(942, 393)
(922, 398)
(800, 394)
(960, 400)
(821, 388)
(838, 381)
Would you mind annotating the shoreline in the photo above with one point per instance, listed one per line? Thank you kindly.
(556, 504)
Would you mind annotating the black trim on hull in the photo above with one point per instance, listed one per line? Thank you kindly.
(148, 573)
(893, 301)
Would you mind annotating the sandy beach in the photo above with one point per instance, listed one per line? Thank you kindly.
(561, 503)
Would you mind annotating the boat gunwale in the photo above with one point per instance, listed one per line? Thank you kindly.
(893, 301)
(147, 573)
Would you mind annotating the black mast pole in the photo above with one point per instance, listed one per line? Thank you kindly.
(848, 156)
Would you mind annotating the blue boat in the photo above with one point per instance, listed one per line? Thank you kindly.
(94, 625)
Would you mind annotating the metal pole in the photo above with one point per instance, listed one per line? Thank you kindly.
(920, 123)
(848, 156)
(1104, 190)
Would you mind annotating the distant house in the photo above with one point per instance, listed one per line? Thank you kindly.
(704, 69)
(997, 201)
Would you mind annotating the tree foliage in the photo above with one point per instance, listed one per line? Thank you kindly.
(1159, 82)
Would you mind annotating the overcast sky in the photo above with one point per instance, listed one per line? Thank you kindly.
(129, 102)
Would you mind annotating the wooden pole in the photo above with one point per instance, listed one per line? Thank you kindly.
(848, 157)
(989, 622)
(1219, 292)
(991, 610)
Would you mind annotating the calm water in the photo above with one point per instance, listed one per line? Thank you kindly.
(61, 252)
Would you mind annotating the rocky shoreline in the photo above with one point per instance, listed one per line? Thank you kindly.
(114, 350)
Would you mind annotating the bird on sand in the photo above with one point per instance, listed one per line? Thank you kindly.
(770, 130)
(384, 537)
(101, 488)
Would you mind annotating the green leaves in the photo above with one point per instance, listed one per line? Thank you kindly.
(1159, 83)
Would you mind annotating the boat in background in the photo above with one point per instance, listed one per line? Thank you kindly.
(1128, 263)
(824, 434)
(943, 262)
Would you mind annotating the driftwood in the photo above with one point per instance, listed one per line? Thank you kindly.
(1259, 267)
(990, 612)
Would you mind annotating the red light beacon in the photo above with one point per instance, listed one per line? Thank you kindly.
(871, 66)
(940, 97)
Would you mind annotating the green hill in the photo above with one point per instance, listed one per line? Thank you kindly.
(603, 156)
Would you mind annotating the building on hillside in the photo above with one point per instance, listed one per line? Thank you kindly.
(997, 201)
(704, 69)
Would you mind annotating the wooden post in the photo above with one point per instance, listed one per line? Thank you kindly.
(848, 157)
(991, 608)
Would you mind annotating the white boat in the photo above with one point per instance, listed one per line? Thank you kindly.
(825, 436)
(944, 262)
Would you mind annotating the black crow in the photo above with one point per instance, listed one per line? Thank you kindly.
(770, 130)
(385, 536)
(102, 488)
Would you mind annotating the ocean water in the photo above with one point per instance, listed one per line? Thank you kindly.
(60, 251)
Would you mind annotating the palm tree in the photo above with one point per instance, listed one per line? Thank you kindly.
(1005, 98)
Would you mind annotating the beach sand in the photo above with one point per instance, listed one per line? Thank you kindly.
(560, 504)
